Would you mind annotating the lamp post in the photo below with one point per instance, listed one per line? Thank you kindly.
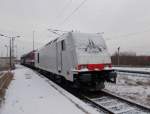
(7, 50)
(118, 56)
(10, 44)
(16, 51)
(33, 39)
(10, 54)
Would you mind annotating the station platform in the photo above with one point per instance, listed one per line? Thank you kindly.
(32, 93)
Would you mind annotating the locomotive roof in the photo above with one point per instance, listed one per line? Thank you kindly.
(73, 34)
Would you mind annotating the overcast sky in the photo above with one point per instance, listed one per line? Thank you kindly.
(125, 23)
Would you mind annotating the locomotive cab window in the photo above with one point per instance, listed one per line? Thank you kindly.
(63, 45)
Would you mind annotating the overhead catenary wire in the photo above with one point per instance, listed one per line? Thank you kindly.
(73, 12)
(64, 8)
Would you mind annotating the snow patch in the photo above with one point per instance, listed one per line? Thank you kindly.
(30, 93)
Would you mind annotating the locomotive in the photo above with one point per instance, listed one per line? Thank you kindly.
(80, 58)
(28, 59)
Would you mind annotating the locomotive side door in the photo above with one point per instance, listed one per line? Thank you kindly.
(59, 56)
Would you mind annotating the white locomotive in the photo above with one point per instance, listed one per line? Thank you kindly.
(80, 58)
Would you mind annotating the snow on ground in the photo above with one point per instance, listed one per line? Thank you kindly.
(147, 69)
(31, 93)
(134, 88)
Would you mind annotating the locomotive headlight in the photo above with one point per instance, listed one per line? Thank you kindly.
(82, 67)
(108, 66)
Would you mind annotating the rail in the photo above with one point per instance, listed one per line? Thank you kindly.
(5, 78)
(132, 71)
(113, 104)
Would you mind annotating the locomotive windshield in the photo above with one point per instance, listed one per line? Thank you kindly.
(90, 44)
(91, 49)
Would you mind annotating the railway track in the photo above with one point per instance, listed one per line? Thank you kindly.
(113, 104)
(110, 103)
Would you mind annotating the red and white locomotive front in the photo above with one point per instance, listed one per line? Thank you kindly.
(94, 61)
